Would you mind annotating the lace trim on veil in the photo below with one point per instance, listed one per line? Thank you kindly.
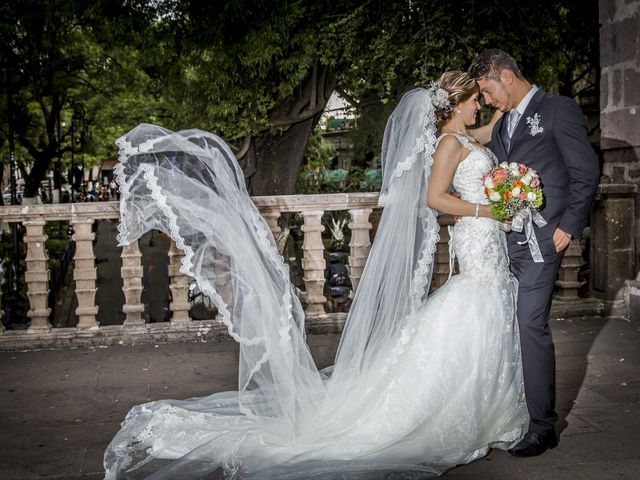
(187, 264)
(283, 269)
(422, 273)
(285, 320)
(423, 150)
(125, 149)
(426, 145)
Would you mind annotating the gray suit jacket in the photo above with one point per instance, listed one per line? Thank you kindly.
(563, 156)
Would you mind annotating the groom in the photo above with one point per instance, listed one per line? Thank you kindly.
(548, 133)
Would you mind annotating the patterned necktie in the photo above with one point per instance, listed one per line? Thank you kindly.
(514, 115)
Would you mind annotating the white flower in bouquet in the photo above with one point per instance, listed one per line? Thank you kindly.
(515, 196)
(494, 196)
(512, 187)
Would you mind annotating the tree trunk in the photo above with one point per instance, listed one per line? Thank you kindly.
(278, 160)
(1, 180)
(274, 159)
(36, 175)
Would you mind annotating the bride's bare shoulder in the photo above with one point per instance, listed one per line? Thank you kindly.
(449, 147)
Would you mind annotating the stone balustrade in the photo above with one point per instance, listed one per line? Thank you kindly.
(131, 272)
(134, 328)
(37, 274)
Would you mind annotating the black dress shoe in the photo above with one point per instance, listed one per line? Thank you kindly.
(534, 444)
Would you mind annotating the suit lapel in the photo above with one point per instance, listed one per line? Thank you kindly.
(522, 124)
(500, 147)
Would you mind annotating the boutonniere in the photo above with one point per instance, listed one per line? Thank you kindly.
(534, 125)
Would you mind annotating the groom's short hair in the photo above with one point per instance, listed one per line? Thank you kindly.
(491, 62)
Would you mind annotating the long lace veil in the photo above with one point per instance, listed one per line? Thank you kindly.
(398, 271)
(189, 185)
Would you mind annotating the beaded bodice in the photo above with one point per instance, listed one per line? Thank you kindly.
(478, 243)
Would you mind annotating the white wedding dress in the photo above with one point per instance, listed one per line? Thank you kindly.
(439, 392)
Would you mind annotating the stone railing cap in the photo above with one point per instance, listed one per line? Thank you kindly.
(111, 210)
(617, 189)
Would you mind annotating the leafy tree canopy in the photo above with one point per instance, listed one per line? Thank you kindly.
(259, 72)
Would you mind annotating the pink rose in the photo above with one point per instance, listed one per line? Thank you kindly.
(535, 182)
(523, 196)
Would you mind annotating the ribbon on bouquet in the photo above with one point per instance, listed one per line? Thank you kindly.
(524, 219)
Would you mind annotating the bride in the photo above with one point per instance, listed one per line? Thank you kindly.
(419, 384)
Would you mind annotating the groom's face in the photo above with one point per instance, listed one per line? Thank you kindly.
(496, 92)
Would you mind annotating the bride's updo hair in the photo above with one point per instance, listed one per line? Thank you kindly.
(460, 86)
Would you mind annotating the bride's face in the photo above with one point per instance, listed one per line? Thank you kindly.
(469, 109)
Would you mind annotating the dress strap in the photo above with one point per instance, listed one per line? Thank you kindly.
(463, 139)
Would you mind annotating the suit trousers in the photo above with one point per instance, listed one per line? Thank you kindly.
(535, 292)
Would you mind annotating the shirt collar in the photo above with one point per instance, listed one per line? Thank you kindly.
(522, 106)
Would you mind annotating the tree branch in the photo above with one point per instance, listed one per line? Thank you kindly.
(244, 148)
(23, 169)
(352, 101)
(313, 94)
(308, 106)
(88, 84)
(288, 121)
(30, 147)
(584, 73)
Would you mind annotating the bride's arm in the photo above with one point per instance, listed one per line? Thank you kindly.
(483, 134)
(446, 159)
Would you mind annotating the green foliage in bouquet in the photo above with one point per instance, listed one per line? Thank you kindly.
(511, 188)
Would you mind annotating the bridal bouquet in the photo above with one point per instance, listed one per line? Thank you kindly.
(511, 188)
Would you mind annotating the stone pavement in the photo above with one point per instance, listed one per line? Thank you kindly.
(59, 409)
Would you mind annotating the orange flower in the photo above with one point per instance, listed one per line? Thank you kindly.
(499, 176)
(519, 184)
(508, 195)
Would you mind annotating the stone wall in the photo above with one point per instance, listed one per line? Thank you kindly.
(620, 95)
(620, 144)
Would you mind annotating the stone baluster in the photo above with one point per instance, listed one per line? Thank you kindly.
(279, 234)
(567, 282)
(37, 275)
(313, 262)
(131, 272)
(272, 220)
(85, 273)
(441, 259)
(360, 243)
(179, 305)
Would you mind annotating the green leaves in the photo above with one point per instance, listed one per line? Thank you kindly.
(257, 68)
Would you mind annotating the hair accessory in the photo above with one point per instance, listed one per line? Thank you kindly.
(439, 97)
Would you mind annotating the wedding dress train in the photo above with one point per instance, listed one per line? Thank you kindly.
(420, 384)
